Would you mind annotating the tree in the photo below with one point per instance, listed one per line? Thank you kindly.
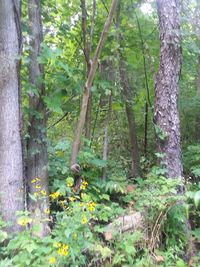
(37, 158)
(127, 94)
(135, 160)
(11, 170)
(88, 84)
(166, 109)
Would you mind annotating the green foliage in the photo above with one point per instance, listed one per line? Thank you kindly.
(77, 219)
(192, 159)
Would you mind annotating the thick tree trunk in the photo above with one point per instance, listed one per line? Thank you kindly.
(166, 109)
(11, 170)
(131, 118)
(37, 158)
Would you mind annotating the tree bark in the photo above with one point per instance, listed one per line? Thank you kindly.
(87, 49)
(11, 170)
(131, 118)
(88, 84)
(166, 108)
(197, 30)
(106, 138)
(37, 158)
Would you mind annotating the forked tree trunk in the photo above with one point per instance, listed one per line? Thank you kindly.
(88, 84)
(37, 158)
(166, 109)
(11, 171)
(135, 160)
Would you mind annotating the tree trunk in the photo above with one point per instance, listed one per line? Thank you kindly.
(131, 118)
(166, 109)
(197, 30)
(88, 84)
(37, 158)
(11, 170)
(106, 138)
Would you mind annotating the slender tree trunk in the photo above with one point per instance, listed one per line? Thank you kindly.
(131, 118)
(11, 170)
(106, 136)
(37, 158)
(88, 84)
(197, 30)
(87, 49)
(166, 109)
(88, 118)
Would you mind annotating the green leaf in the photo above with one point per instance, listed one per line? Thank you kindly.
(3, 236)
(197, 199)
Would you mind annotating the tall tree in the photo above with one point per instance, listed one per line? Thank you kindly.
(11, 171)
(197, 31)
(128, 97)
(127, 92)
(166, 108)
(37, 158)
(89, 82)
(87, 49)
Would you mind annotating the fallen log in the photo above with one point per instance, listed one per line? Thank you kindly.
(131, 222)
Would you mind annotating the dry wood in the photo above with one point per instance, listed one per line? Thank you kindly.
(131, 222)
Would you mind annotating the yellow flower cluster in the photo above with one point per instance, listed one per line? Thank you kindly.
(38, 192)
(55, 195)
(63, 249)
(84, 185)
(84, 219)
(91, 206)
(52, 260)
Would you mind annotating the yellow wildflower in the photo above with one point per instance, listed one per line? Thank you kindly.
(84, 185)
(37, 186)
(43, 192)
(63, 250)
(84, 219)
(23, 221)
(55, 195)
(72, 199)
(91, 206)
(35, 180)
(52, 260)
(36, 194)
(47, 211)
